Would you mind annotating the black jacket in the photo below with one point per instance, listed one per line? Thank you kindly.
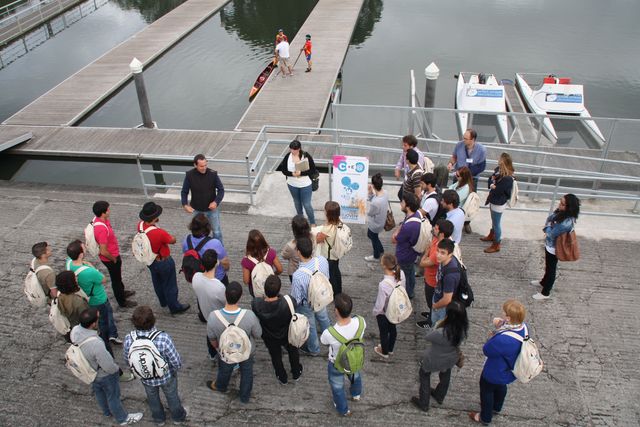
(283, 165)
(274, 317)
(502, 193)
(205, 188)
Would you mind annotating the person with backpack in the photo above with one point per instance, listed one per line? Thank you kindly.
(298, 167)
(156, 362)
(44, 273)
(327, 240)
(500, 188)
(233, 331)
(91, 281)
(109, 253)
(405, 237)
(409, 142)
(561, 221)
(310, 268)
(393, 276)
(106, 385)
(376, 216)
(259, 262)
(207, 193)
(431, 197)
(209, 292)
(163, 267)
(448, 280)
(411, 183)
(501, 351)
(200, 228)
(300, 228)
(429, 261)
(346, 347)
(71, 301)
(442, 354)
(451, 204)
(464, 187)
(275, 316)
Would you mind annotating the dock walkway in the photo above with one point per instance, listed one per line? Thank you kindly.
(302, 101)
(69, 101)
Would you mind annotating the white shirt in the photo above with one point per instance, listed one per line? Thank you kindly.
(209, 292)
(301, 181)
(430, 206)
(283, 49)
(348, 331)
(456, 216)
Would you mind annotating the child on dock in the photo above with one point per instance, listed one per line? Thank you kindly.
(307, 52)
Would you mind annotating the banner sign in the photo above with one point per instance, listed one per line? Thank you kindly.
(349, 187)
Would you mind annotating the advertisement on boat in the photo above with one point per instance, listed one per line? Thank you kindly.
(349, 187)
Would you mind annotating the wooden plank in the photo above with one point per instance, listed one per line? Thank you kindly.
(68, 102)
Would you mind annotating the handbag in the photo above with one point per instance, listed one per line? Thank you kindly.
(460, 361)
(390, 221)
(567, 248)
(315, 180)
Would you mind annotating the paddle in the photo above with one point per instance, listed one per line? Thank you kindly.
(294, 64)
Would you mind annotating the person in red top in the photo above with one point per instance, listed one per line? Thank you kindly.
(441, 230)
(110, 252)
(307, 52)
(280, 37)
(163, 269)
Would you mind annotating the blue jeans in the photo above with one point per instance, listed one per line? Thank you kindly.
(437, 315)
(495, 225)
(491, 399)
(336, 381)
(165, 283)
(170, 389)
(302, 197)
(214, 220)
(410, 277)
(378, 249)
(246, 377)
(106, 322)
(313, 343)
(107, 391)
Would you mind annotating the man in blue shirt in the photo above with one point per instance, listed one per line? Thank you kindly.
(448, 280)
(405, 237)
(468, 153)
(300, 292)
(451, 203)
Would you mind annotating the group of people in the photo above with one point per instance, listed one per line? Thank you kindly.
(282, 55)
(312, 256)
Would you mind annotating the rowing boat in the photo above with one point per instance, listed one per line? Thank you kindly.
(262, 79)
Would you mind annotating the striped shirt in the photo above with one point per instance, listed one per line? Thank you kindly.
(167, 349)
(300, 282)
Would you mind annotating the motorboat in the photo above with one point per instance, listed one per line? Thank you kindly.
(481, 92)
(558, 96)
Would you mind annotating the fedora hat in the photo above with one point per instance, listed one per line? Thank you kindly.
(150, 211)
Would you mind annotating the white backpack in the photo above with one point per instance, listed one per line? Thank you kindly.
(259, 275)
(234, 345)
(513, 200)
(90, 239)
(145, 359)
(57, 319)
(342, 242)
(424, 238)
(399, 305)
(78, 364)
(528, 364)
(32, 287)
(298, 327)
(320, 292)
(471, 206)
(141, 246)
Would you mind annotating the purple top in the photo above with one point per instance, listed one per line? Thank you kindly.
(248, 264)
(214, 244)
(407, 237)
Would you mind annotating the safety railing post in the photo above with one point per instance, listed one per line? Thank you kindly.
(249, 180)
(144, 186)
(539, 135)
(330, 168)
(555, 196)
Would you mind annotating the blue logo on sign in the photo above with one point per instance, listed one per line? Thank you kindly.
(359, 167)
(348, 185)
(342, 166)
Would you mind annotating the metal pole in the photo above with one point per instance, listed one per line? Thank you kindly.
(555, 196)
(412, 100)
(330, 168)
(136, 69)
(249, 180)
(144, 187)
(540, 121)
(605, 154)
(431, 74)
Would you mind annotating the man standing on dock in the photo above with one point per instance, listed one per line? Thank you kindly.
(207, 193)
(282, 54)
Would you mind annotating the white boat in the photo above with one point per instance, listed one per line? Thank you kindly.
(481, 92)
(554, 95)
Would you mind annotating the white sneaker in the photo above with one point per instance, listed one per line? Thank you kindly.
(132, 418)
(355, 398)
(535, 283)
(370, 258)
(539, 296)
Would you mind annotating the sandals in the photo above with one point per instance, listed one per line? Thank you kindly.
(475, 416)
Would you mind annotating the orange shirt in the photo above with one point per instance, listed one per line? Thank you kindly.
(307, 47)
(431, 272)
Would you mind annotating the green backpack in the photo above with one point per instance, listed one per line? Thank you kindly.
(350, 357)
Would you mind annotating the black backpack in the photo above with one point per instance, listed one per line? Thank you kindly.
(463, 292)
(191, 262)
(441, 213)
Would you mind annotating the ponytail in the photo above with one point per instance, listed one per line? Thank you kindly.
(390, 262)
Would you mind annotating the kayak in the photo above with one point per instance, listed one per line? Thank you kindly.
(262, 79)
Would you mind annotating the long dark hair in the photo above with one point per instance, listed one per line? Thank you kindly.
(257, 246)
(456, 323)
(300, 227)
(571, 208)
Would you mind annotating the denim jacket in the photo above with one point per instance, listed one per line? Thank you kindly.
(554, 229)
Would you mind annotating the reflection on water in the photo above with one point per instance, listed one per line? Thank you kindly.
(369, 15)
(150, 10)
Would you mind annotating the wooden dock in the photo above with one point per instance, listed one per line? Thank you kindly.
(302, 100)
(68, 102)
(525, 132)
